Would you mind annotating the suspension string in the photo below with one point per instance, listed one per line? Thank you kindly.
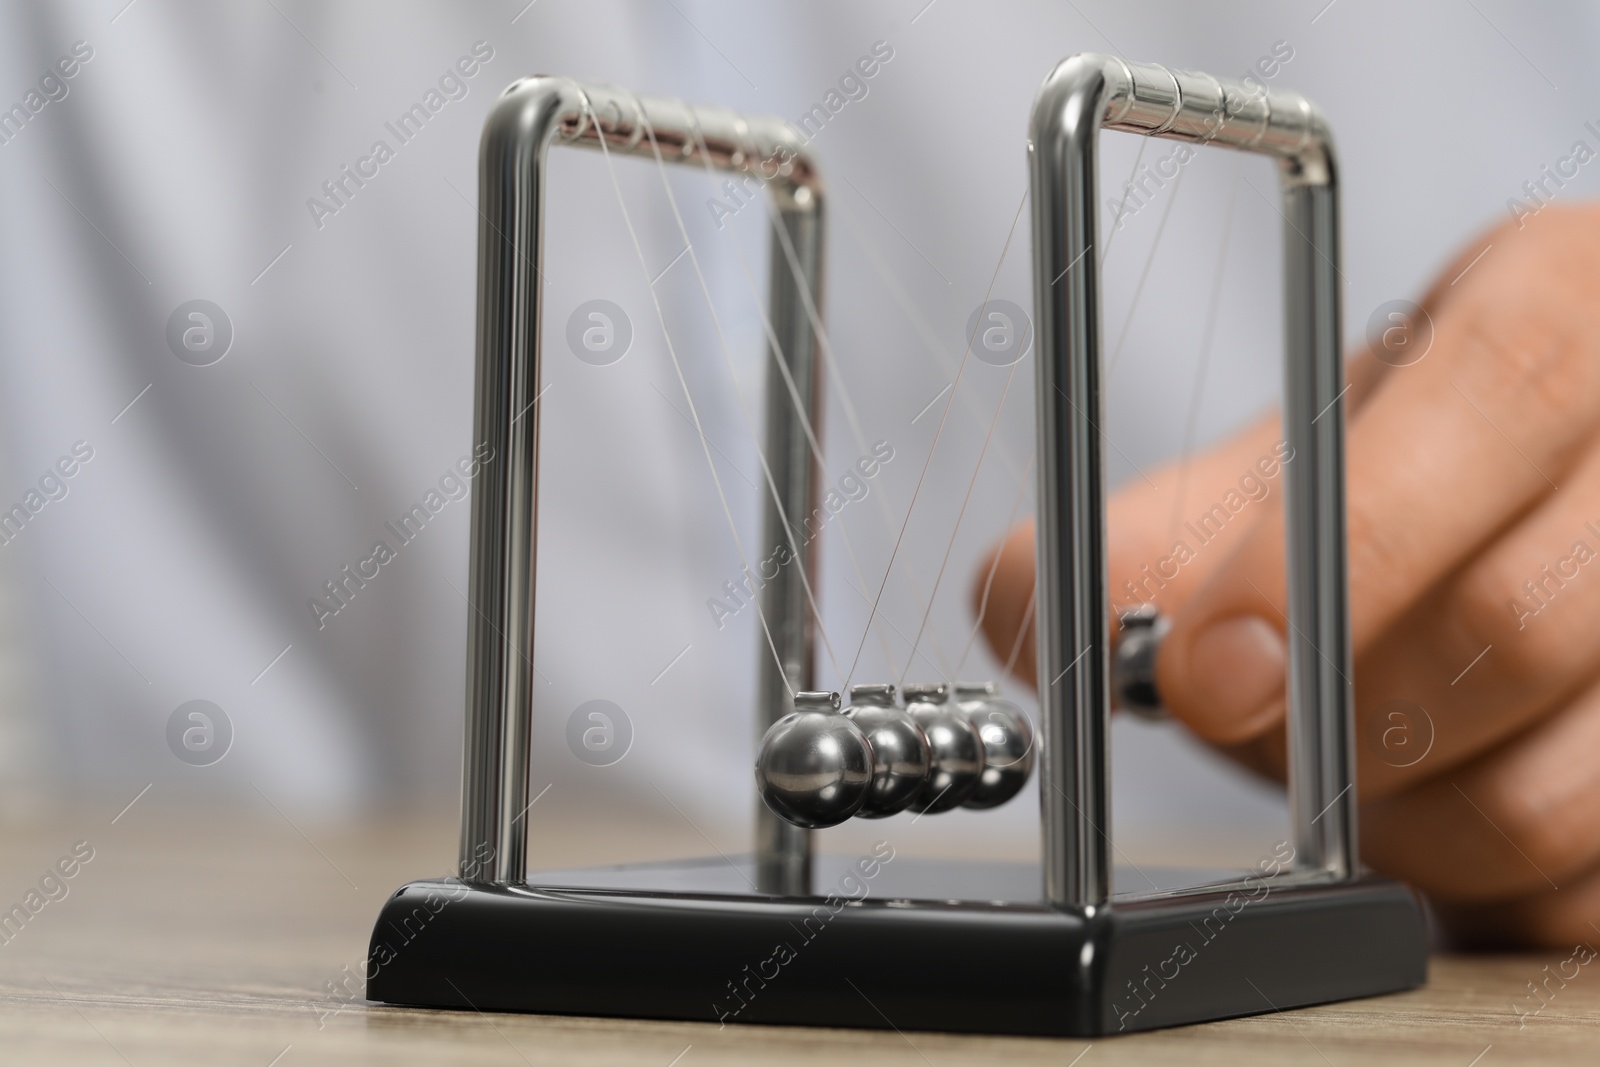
(943, 418)
(1202, 372)
(1021, 487)
(1022, 631)
(988, 583)
(677, 367)
(813, 444)
(994, 565)
(1144, 275)
(972, 482)
(803, 414)
(831, 367)
(920, 322)
(1122, 206)
(940, 670)
(727, 354)
(930, 337)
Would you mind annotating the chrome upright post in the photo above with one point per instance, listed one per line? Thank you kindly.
(1080, 97)
(530, 116)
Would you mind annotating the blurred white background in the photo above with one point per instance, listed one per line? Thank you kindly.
(179, 165)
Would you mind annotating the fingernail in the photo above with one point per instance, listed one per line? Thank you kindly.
(1236, 676)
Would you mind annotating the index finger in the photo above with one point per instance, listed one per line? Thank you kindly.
(1447, 454)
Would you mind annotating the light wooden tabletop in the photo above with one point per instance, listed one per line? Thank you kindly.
(201, 937)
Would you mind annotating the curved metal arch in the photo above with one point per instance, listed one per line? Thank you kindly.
(1083, 95)
(527, 119)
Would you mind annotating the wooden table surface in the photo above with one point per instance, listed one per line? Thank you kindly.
(195, 936)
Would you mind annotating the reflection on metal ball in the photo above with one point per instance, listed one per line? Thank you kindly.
(899, 749)
(815, 767)
(1007, 743)
(956, 749)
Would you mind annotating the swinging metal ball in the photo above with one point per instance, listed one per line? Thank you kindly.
(815, 767)
(1007, 743)
(899, 748)
(956, 748)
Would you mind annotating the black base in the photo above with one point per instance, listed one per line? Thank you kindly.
(954, 965)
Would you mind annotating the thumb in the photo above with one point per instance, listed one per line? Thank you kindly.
(1222, 668)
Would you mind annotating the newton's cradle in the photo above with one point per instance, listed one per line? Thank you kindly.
(1072, 949)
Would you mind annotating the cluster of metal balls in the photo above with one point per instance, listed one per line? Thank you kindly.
(821, 765)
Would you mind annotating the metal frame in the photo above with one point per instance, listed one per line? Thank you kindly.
(1082, 96)
(1066, 964)
(529, 117)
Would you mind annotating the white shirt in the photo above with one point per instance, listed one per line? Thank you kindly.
(188, 159)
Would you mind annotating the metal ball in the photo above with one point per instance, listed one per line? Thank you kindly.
(1007, 743)
(955, 747)
(899, 749)
(815, 767)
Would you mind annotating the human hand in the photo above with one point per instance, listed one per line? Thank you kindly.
(1474, 551)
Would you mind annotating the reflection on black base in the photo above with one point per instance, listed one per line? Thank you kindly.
(914, 944)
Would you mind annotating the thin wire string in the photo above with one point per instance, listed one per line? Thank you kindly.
(1022, 482)
(994, 565)
(944, 417)
(932, 342)
(1122, 206)
(809, 303)
(804, 415)
(934, 346)
(1022, 631)
(1144, 276)
(1202, 372)
(811, 441)
(836, 380)
(722, 341)
(919, 321)
(972, 482)
(683, 382)
(949, 546)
